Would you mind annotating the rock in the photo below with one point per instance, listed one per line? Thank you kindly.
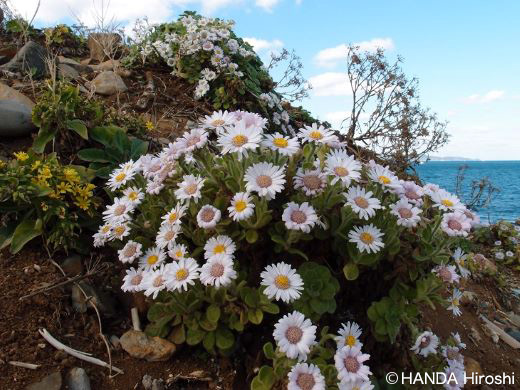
(77, 379)
(16, 119)
(147, 382)
(158, 384)
(72, 265)
(30, 58)
(101, 43)
(8, 93)
(471, 366)
(107, 65)
(141, 346)
(50, 382)
(108, 83)
(116, 343)
(80, 68)
(104, 302)
(514, 333)
(67, 72)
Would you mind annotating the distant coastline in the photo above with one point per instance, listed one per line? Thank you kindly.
(450, 158)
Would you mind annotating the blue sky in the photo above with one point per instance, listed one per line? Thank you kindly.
(464, 53)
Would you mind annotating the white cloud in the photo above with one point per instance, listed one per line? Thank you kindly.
(330, 84)
(485, 98)
(331, 56)
(335, 118)
(262, 45)
(267, 5)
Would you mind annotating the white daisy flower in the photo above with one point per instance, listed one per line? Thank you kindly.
(190, 188)
(154, 281)
(499, 256)
(460, 259)
(251, 119)
(384, 176)
(175, 215)
(305, 376)
(509, 254)
(132, 282)
(316, 133)
(454, 301)
(356, 385)
(218, 121)
(458, 340)
(426, 344)
(446, 201)
(131, 251)
(407, 214)
(218, 271)
(285, 145)
(299, 217)
(103, 235)
(412, 192)
(362, 202)
(294, 335)
(219, 245)
(242, 206)
(118, 212)
(208, 217)
(133, 195)
(452, 354)
(167, 235)
(120, 231)
(194, 139)
(178, 251)
(281, 282)
(342, 167)
(455, 376)
(498, 243)
(455, 224)
(349, 362)
(349, 335)
(153, 257)
(239, 139)
(265, 179)
(430, 189)
(447, 273)
(119, 177)
(183, 273)
(367, 238)
(312, 181)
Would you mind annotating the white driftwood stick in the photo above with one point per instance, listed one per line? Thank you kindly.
(136, 323)
(500, 332)
(77, 354)
(24, 365)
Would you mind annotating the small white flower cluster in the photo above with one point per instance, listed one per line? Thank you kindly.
(295, 336)
(427, 344)
(207, 38)
(280, 116)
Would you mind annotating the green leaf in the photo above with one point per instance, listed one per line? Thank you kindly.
(43, 138)
(251, 236)
(213, 313)
(78, 126)
(93, 155)
(25, 232)
(6, 235)
(104, 134)
(225, 338)
(255, 316)
(351, 271)
(178, 334)
(209, 341)
(194, 336)
(266, 376)
(269, 350)
(138, 148)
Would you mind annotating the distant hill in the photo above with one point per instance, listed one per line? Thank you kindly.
(450, 158)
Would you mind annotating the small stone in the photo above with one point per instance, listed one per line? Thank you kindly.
(80, 68)
(50, 382)
(116, 343)
(29, 59)
(104, 302)
(108, 83)
(158, 384)
(107, 65)
(72, 265)
(16, 119)
(140, 345)
(77, 379)
(514, 333)
(147, 382)
(8, 93)
(471, 367)
(67, 72)
(101, 43)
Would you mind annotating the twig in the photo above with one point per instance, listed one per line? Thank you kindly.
(60, 284)
(136, 323)
(77, 354)
(24, 365)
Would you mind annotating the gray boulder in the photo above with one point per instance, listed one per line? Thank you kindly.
(16, 119)
(30, 58)
(108, 83)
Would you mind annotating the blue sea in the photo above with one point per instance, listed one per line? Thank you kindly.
(503, 174)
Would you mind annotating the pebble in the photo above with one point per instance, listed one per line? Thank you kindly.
(108, 83)
(50, 382)
(139, 345)
(77, 379)
(72, 265)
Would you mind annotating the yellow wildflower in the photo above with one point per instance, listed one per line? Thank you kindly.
(149, 125)
(44, 173)
(2, 164)
(63, 187)
(82, 203)
(71, 175)
(44, 206)
(35, 165)
(21, 156)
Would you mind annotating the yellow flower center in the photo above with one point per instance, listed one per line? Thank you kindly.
(152, 259)
(178, 254)
(169, 235)
(173, 217)
(181, 274)
(191, 188)
(350, 340)
(341, 171)
(384, 180)
(218, 122)
(361, 202)
(120, 177)
(105, 229)
(132, 195)
(282, 282)
(219, 249)
(119, 230)
(240, 206)
(239, 140)
(456, 302)
(447, 203)
(366, 237)
(264, 181)
(280, 142)
(316, 135)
